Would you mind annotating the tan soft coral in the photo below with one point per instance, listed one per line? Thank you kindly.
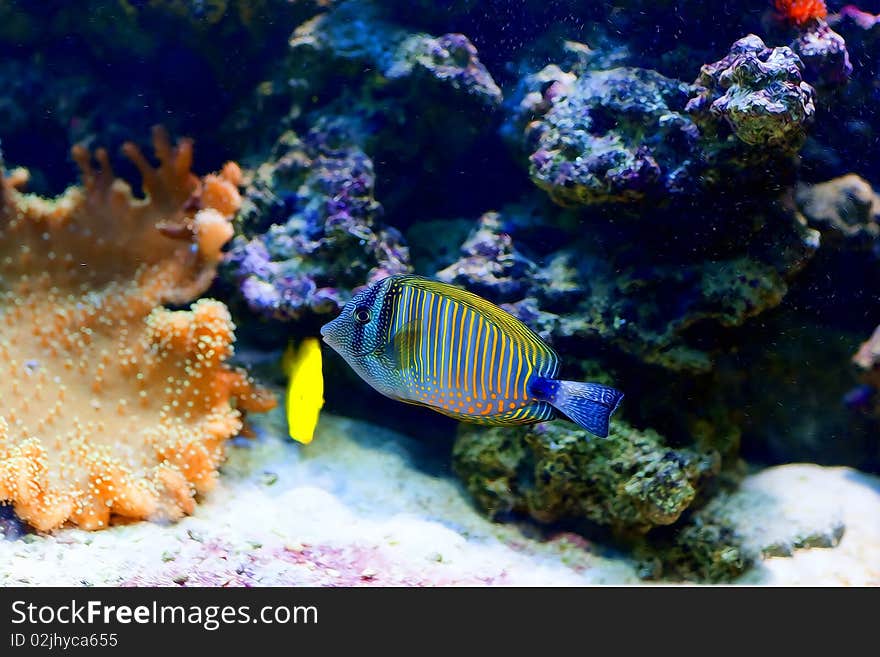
(111, 405)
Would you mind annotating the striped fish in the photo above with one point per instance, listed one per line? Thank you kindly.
(429, 343)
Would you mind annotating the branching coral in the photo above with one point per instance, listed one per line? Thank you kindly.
(801, 12)
(109, 403)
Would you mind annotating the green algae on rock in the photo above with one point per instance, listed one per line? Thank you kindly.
(760, 92)
(706, 548)
(602, 285)
(630, 481)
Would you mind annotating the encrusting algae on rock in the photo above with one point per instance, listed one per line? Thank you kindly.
(109, 403)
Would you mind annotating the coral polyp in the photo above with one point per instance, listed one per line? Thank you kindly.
(111, 405)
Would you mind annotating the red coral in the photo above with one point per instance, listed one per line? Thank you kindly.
(801, 12)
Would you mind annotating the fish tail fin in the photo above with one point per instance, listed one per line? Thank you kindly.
(589, 405)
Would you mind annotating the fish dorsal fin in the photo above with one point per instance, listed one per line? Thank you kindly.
(544, 355)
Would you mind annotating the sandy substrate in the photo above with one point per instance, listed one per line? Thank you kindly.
(357, 507)
(790, 512)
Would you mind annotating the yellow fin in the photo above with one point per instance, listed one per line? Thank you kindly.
(305, 388)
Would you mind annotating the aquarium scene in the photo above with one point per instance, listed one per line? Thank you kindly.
(439, 293)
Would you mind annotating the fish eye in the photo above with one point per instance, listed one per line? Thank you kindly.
(362, 315)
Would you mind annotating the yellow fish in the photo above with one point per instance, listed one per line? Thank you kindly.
(305, 388)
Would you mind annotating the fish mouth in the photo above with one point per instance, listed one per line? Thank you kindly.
(327, 338)
(330, 336)
(327, 330)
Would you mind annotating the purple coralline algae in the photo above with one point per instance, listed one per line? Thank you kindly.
(614, 135)
(424, 98)
(310, 230)
(760, 92)
(451, 60)
(324, 238)
(616, 292)
(624, 134)
(824, 55)
(489, 264)
(844, 140)
(355, 38)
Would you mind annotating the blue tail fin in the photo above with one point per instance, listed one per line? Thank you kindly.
(588, 404)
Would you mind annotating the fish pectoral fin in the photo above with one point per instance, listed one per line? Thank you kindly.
(400, 352)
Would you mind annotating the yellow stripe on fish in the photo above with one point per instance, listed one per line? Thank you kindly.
(430, 343)
(474, 374)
